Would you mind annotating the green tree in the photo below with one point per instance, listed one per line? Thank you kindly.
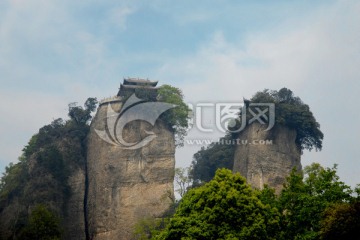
(305, 198)
(267, 196)
(149, 227)
(178, 117)
(292, 112)
(12, 181)
(208, 159)
(41, 174)
(289, 111)
(341, 221)
(82, 115)
(42, 225)
(182, 180)
(224, 208)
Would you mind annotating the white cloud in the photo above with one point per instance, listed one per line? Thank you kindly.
(318, 59)
(119, 15)
(22, 116)
(47, 60)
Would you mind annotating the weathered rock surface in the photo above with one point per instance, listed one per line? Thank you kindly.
(125, 186)
(74, 223)
(263, 163)
(66, 199)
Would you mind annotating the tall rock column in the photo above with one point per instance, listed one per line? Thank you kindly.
(124, 185)
(266, 157)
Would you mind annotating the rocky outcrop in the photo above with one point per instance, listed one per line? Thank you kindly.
(74, 223)
(98, 189)
(74, 154)
(125, 186)
(9, 217)
(266, 157)
(55, 178)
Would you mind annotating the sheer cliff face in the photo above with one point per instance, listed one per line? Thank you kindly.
(74, 223)
(266, 162)
(125, 186)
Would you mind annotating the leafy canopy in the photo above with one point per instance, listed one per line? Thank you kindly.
(341, 221)
(178, 117)
(52, 153)
(224, 208)
(42, 225)
(314, 204)
(305, 198)
(82, 115)
(292, 112)
(208, 159)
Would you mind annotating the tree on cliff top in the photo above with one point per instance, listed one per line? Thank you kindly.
(289, 111)
(178, 117)
(82, 115)
(292, 112)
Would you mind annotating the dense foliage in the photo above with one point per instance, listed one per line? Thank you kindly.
(314, 204)
(40, 176)
(208, 159)
(82, 115)
(224, 208)
(341, 221)
(148, 228)
(292, 112)
(178, 117)
(306, 197)
(42, 224)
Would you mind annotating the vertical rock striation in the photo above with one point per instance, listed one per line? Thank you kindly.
(99, 190)
(266, 162)
(125, 186)
(74, 223)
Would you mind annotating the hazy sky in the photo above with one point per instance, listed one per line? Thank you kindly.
(56, 52)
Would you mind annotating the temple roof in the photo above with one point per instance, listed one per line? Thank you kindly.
(125, 87)
(131, 84)
(138, 81)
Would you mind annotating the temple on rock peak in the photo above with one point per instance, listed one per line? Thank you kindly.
(130, 85)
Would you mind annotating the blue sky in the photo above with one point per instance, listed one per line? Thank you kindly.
(56, 52)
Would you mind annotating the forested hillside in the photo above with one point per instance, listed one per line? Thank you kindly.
(38, 185)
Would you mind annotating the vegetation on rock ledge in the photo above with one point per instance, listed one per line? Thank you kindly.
(176, 118)
(41, 175)
(292, 112)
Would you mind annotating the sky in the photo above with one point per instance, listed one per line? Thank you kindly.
(56, 52)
